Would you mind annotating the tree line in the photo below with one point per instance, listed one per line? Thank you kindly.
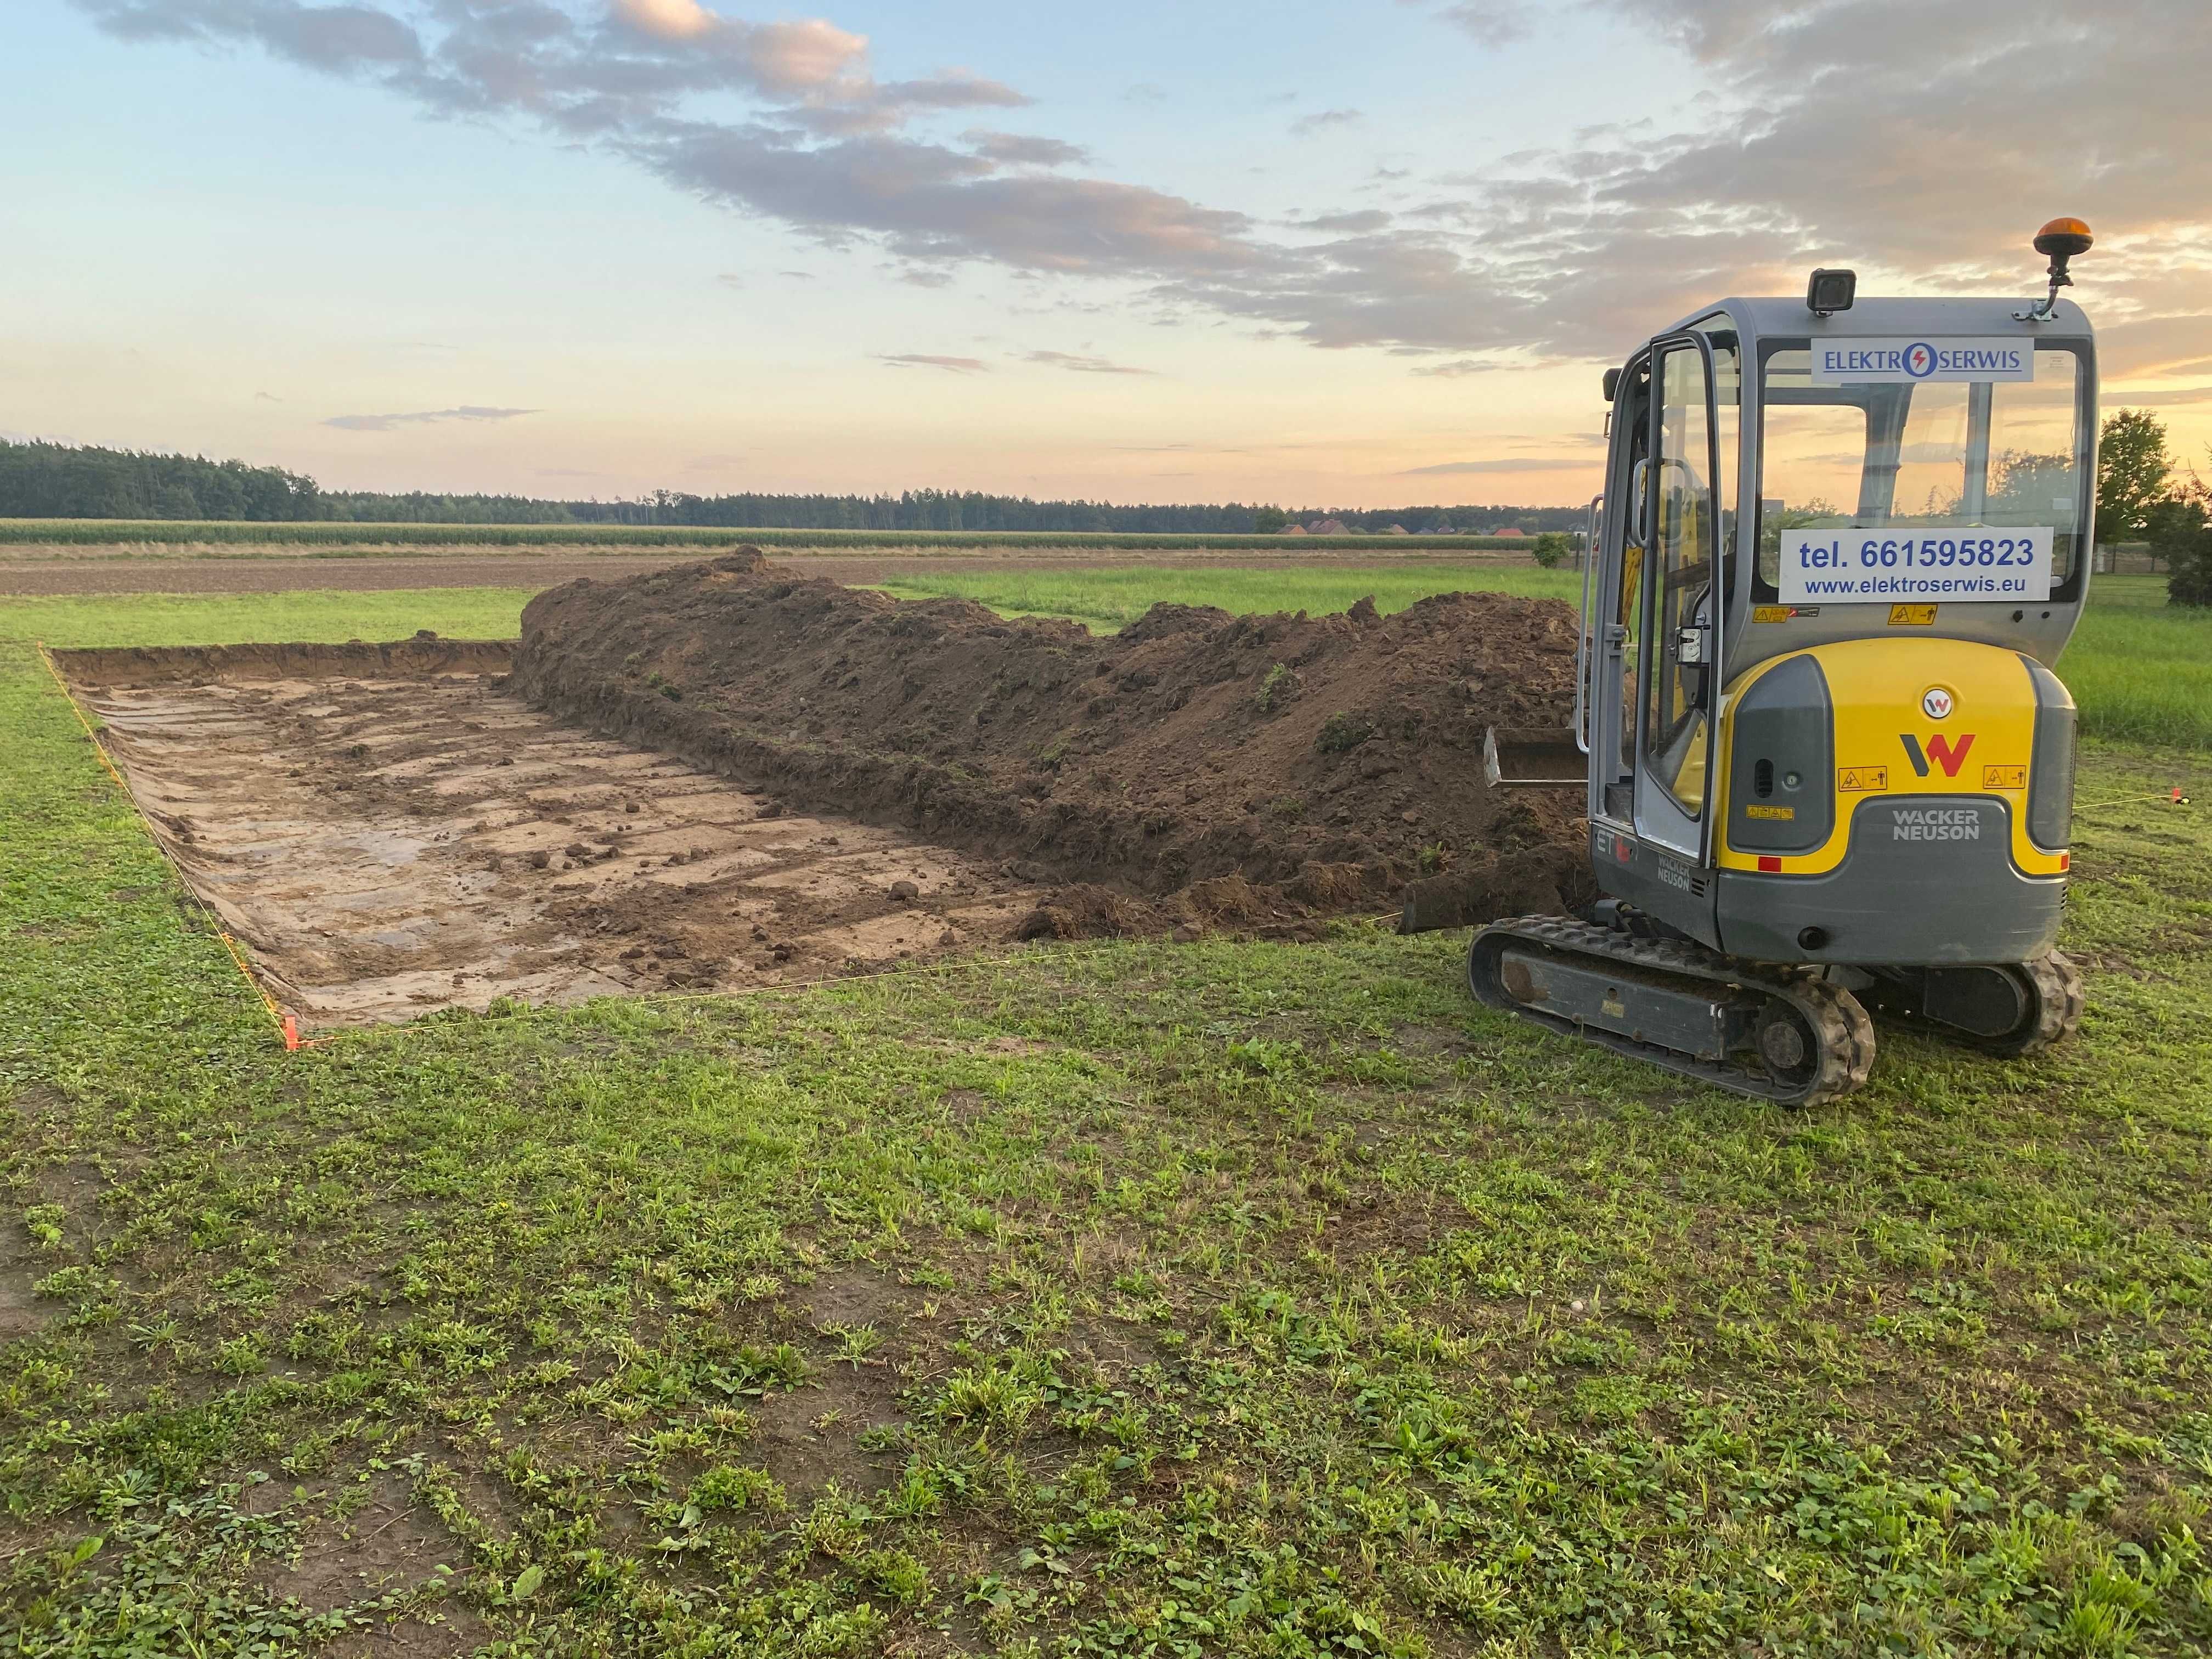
(2141, 496)
(62, 481)
(41, 480)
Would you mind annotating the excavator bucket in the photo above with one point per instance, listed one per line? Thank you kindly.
(1533, 757)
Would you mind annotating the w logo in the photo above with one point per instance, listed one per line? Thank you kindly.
(1940, 749)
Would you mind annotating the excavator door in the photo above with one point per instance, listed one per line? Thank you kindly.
(1676, 607)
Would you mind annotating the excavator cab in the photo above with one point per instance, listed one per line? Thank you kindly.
(1827, 764)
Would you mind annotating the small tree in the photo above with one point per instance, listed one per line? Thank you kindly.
(1269, 521)
(2180, 531)
(1550, 549)
(2132, 472)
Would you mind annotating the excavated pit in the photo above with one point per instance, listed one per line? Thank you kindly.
(1194, 768)
(731, 775)
(390, 832)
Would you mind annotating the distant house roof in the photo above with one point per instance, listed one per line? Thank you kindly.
(1509, 530)
(1295, 530)
(1394, 530)
(1327, 527)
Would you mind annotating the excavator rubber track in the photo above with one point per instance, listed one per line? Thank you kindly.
(2050, 994)
(1778, 1034)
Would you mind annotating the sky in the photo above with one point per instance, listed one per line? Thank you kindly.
(1367, 252)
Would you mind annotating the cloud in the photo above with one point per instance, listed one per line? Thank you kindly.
(922, 360)
(393, 422)
(1021, 149)
(2194, 394)
(267, 398)
(1354, 223)
(1572, 249)
(1464, 469)
(1322, 120)
(668, 20)
(2152, 345)
(1080, 365)
(341, 39)
(1492, 22)
(802, 56)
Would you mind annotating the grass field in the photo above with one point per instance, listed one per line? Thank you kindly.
(2142, 668)
(319, 616)
(1115, 596)
(1120, 1299)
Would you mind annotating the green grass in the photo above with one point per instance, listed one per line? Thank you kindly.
(2142, 668)
(1236, 1299)
(1112, 597)
(316, 616)
(92, 533)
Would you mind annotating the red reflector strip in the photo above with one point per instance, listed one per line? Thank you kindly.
(2066, 860)
(1770, 866)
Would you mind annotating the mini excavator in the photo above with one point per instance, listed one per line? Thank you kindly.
(1830, 770)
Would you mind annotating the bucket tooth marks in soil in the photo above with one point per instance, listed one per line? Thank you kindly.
(1321, 762)
(390, 837)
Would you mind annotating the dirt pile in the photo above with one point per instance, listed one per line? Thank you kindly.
(1241, 769)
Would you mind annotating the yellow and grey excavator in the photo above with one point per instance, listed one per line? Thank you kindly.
(1830, 770)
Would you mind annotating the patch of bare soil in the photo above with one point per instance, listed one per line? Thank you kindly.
(391, 1543)
(390, 832)
(1240, 768)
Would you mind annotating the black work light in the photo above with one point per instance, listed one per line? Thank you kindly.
(1831, 291)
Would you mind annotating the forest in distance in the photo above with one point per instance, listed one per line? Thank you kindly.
(43, 480)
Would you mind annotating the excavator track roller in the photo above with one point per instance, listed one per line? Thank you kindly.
(1780, 1034)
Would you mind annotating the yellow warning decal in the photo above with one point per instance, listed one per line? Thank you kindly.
(1862, 779)
(1912, 615)
(1785, 813)
(1772, 613)
(2004, 777)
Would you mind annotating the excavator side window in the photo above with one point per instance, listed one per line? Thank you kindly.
(1678, 678)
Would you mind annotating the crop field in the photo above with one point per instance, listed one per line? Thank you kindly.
(234, 537)
(1224, 1297)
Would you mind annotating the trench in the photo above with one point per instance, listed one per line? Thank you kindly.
(391, 831)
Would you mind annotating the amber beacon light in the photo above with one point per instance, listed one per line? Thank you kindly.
(2061, 239)
(2058, 241)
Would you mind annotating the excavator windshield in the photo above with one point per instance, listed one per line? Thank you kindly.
(1916, 460)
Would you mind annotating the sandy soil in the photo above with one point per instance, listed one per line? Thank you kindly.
(399, 841)
(62, 570)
